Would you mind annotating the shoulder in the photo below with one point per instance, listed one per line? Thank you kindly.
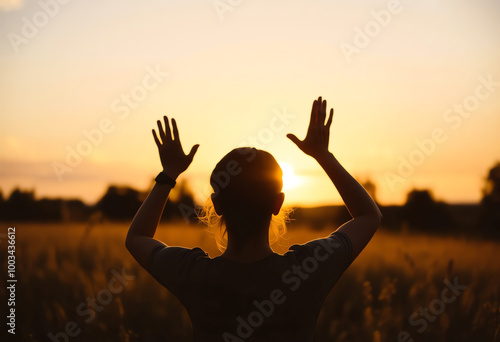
(335, 247)
(176, 254)
(174, 267)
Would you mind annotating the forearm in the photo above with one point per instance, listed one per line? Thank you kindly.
(148, 216)
(355, 197)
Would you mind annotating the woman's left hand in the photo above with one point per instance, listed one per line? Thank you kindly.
(172, 157)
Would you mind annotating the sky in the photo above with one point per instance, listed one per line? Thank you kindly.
(415, 86)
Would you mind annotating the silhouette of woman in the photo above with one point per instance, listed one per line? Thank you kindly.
(250, 293)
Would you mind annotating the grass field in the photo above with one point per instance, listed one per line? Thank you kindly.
(65, 270)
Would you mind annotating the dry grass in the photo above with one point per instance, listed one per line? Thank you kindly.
(60, 266)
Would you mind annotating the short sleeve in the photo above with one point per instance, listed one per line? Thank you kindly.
(337, 246)
(174, 267)
(327, 258)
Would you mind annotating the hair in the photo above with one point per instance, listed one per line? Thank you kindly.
(245, 183)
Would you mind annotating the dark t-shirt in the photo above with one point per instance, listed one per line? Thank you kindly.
(277, 298)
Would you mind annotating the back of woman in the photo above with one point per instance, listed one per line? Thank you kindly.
(251, 293)
(234, 301)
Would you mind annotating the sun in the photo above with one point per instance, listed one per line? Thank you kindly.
(290, 180)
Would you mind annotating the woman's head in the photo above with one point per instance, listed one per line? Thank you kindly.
(247, 185)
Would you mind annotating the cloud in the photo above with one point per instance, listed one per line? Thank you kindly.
(10, 5)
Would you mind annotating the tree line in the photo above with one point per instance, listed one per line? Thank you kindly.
(120, 203)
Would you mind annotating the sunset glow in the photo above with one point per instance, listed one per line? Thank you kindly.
(414, 98)
(290, 180)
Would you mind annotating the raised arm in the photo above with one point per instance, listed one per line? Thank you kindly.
(366, 215)
(139, 239)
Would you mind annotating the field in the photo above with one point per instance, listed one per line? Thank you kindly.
(65, 270)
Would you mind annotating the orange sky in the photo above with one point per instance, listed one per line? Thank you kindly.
(415, 87)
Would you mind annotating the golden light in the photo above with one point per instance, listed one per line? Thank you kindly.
(290, 180)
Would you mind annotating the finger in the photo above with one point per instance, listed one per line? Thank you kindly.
(312, 119)
(293, 138)
(330, 118)
(176, 131)
(161, 132)
(193, 151)
(313, 122)
(158, 143)
(322, 112)
(167, 129)
(316, 109)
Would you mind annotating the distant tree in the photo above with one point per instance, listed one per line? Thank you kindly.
(489, 219)
(185, 203)
(58, 209)
(422, 212)
(49, 209)
(76, 210)
(119, 203)
(2, 205)
(20, 205)
(181, 204)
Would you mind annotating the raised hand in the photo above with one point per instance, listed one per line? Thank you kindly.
(172, 157)
(316, 141)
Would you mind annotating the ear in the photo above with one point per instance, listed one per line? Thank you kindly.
(278, 203)
(216, 204)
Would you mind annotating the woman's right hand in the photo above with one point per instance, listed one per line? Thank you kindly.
(316, 141)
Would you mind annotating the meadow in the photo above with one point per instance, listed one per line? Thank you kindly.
(78, 283)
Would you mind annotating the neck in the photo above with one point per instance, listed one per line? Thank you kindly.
(250, 248)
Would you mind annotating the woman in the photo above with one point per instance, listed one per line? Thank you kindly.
(250, 293)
